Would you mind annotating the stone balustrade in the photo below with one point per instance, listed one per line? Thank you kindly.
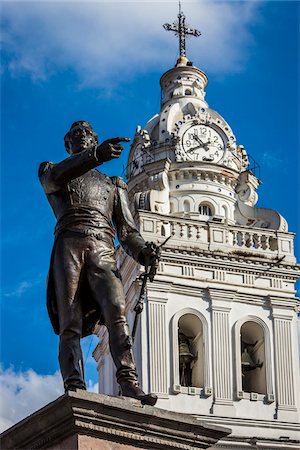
(200, 235)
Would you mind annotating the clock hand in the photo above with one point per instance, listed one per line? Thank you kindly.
(194, 148)
(204, 145)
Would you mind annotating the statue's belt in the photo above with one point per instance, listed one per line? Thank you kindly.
(103, 235)
(91, 222)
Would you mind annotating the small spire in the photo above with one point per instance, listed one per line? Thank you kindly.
(182, 30)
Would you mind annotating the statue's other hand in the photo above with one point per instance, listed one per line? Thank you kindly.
(149, 255)
(110, 149)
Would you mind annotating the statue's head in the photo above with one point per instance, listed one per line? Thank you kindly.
(80, 137)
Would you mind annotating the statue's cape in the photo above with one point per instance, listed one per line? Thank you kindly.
(91, 312)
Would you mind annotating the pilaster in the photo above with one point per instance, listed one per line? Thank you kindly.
(157, 332)
(284, 361)
(222, 351)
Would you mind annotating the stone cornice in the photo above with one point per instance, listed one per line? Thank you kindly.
(229, 262)
(277, 302)
(112, 419)
(223, 295)
(162, 286)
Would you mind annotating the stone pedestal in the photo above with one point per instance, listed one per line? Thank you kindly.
(85, 421)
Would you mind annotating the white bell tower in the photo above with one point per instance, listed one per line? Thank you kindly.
(218, 334)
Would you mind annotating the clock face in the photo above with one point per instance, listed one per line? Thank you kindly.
(135, 166)
(203, 143)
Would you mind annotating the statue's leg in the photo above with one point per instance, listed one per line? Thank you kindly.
(107, 289)
(67, 267)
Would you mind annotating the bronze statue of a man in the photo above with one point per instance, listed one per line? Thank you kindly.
(84, 285)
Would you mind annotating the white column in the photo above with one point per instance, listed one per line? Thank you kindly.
(157, 329)
(222, 351)
(285, 372)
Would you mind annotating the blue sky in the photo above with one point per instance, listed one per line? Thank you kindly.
(101, 61)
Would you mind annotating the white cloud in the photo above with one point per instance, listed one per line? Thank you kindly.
(19, 289)
(25, 392)
(270, 160)
(114, 41)
(22, 393)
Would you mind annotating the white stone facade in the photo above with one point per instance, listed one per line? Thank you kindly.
(225, 280)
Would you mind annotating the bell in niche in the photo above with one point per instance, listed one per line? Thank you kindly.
(246, 358)
(186, 357)
(247, 361)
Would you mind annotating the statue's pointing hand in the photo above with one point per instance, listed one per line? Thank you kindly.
(110, 149)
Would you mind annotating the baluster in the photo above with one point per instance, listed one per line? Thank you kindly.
(189, 229)
(226, 236)
(181, 230)
(243, 241)
(263, 241)
(158, 227)
(250, 240)
(234, 237)
(173, 229)
(268, 243)
(198, 234)
(258, 241)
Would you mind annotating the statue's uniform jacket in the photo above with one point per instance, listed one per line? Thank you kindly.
(89, 207)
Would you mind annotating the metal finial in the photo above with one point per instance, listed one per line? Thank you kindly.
(180, 29)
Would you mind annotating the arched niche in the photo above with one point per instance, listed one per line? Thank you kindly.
(186, 206)
(193, 325)
(253, 357)
(224, 211)
(173, 205)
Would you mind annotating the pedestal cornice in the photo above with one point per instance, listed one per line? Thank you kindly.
(109, 420)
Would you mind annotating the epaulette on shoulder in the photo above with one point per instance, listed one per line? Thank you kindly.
(119, 182)
(44, 166)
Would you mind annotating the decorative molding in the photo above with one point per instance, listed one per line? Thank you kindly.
(221, 297)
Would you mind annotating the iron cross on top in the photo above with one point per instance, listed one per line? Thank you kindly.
(181, 30)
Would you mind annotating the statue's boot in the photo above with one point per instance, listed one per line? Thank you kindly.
(121, 350)
(131, 389)
(71, 362)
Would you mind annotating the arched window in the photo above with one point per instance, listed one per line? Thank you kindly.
(253, 358)
(191, 367)
(205, 210)
(190, 343)
(188, 92)
(162, 230)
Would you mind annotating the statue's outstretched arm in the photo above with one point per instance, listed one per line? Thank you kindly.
(54, 176)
